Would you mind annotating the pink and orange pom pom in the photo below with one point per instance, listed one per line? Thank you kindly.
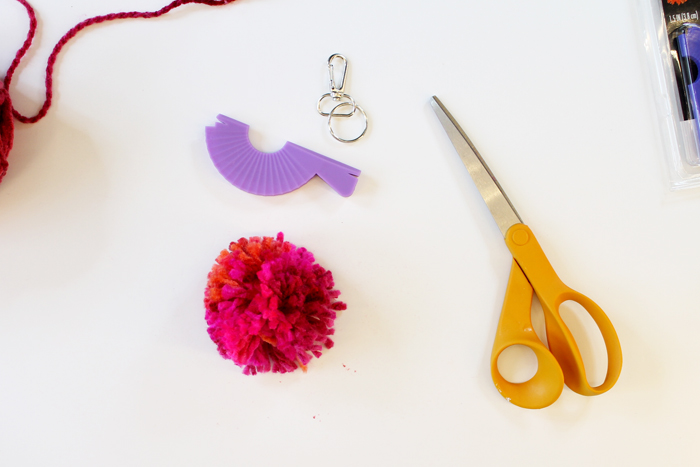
(269, 306)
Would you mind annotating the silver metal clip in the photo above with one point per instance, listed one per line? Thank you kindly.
(342, 99)
(337, 91)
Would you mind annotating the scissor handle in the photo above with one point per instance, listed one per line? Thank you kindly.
(515, 328)
(552, 292)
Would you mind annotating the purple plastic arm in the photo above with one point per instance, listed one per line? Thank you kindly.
(689, 48)
(275, 173)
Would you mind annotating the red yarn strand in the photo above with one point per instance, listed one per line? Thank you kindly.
(71, 34)
(27, 43)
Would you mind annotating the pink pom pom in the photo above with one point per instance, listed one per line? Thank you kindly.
(269, 306)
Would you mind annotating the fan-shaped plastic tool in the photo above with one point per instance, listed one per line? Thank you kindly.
(275, 173)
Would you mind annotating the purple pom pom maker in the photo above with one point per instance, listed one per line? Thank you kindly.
(275, 173)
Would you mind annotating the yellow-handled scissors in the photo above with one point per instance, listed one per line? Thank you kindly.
(561, 362)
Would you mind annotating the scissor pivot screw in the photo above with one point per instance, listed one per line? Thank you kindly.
(520, 237)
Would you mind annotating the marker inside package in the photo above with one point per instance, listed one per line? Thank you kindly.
(672, 41)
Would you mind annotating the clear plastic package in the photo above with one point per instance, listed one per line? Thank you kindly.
(672, 40)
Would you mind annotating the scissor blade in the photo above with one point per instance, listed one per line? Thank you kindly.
(498, 203)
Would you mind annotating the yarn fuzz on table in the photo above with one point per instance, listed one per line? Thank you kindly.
(269, 306)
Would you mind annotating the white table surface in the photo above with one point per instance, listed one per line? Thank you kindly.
(112, 214)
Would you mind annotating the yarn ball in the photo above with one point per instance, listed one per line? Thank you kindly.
(269, 306)
(7, 129)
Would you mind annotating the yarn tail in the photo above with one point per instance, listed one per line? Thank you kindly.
(342, 178)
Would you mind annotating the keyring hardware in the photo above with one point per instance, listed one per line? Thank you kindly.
(341, 96)
(332, 114)
(337, 93)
